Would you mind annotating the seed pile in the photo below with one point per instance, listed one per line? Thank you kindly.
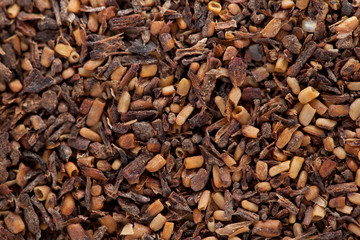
(179, 119)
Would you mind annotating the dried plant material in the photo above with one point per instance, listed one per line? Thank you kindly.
(76, 231)
(260, 74)
(327, 168)
(14, 223)
(268, 228)
(354, 109)
(285, 136)
(179, 119)
(350, 67)
(346, 27)
(35, 82)
(279, 168)
(292, 43)
(303, 57)
(342, 188)
(133, 170)
(92, 173)
(287, 204)
(237, 71)
(234, 227)
(30, 216)
(272, 28)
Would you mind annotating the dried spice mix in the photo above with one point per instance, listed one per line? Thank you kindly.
(179, 119)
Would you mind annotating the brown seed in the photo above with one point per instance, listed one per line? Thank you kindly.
(156, 163)
(308, 94)
(47, 57)
(268, 228)
(219, 200)
(285, 136)
(312, 193)
(338, 110)
(204, 200)
(354, 229)
(249, 206)
(193, 162)
(90, 134)
(183, 87)
(14, 223)
(148, 70)
(68, 204)
(261, 170)
(354, 198)
(158, 222)
(95, 112)
(96, 190)
(307, 114)
(279, 168)
(97, 203)
(63, 49)
(184, 114)
(295, 166)
(15, 86)
(337, 202)
(250, 131)
(167, 230)
(327, 124)
(155, 208)
(110, 223)
(74, 6)
(228, 160)
(263, 187)
(271, 29)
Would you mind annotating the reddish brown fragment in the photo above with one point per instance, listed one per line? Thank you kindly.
(92, 173)
(327, 168)
(127, 141)
(249, 94)
(86, 105)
